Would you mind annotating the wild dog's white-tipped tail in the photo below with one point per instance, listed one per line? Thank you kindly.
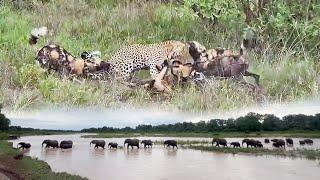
(242, 49)
(39, 32)
(36, 34)
(96, 53)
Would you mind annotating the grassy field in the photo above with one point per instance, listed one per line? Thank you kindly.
(27, 168)
(79, 25)
(302, 134)
(299, 153)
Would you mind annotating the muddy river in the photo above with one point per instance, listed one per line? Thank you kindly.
(161, 163)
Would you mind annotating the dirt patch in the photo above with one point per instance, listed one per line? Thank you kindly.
(7, 174)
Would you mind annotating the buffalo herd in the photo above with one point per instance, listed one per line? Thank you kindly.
(278, 143)
(68, 144)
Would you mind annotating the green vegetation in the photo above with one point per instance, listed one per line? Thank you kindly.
(297, 134)
(246, 126)
(185, 142)
(304, 153)
(27, 168)
(285, 31)
(4, 122)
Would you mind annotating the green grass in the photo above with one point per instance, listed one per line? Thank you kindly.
(302, 153)
(28, 168)
(4, 135)
(185, 142)
(301, 134)
(109, 25)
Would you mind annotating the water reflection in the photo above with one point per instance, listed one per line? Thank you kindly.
(170, 152)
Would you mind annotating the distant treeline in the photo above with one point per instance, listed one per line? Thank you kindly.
(252, 122)
(5, 127)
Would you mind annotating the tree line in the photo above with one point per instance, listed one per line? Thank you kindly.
(5, 126)
(252, 122)
(4, 121)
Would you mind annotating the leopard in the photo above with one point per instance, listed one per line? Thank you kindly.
(136, 57)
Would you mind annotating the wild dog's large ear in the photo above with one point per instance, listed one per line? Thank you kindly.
(192, 47)
(196, 50)
(220, 51)
(176, 63)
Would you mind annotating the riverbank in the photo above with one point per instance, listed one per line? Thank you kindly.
(300, 134)
(27, 167)
(5, 135)
(297, 153)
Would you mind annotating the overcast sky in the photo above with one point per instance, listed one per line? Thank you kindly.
(80, 118)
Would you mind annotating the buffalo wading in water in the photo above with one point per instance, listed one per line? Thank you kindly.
(172, 143)
(66, 144)
(259, 144)
(147, 143)
(13, 137)
(289, 141)
(113, 145)
(51, 143)
(279, 143)
(252, 143)
(235, 144)
(219, 141)
(308, 141)
(266, 141)
(301, 142)
(98, 143)
(132, 143)
(23, 145)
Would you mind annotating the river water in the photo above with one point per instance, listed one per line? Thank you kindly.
(161, 163)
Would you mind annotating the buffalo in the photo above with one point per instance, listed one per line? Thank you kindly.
(113, 145)
(66, 144)
(98, 143)
(169, 143)
(219, 141)
(250, 142)
(51, 143)
(147, 143)
(23, 145)
(235, 144)
(132, 143)
(308, 141)
(279, 143)
(289, 141)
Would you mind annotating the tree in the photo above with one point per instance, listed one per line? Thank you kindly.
(4, 122)
(271, 123)
(250, 122)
